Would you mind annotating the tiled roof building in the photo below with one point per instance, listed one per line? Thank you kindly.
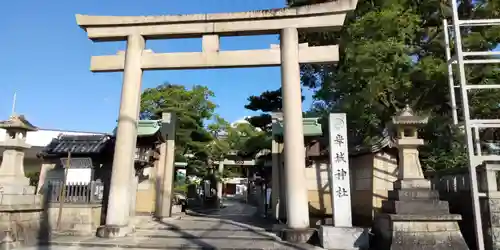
(77, 144)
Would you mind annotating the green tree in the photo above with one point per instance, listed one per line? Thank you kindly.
(266, 102)
(192, 107)
(219, 147)
(242, 139)
(234, 139)
(247, 139)
(392, 53)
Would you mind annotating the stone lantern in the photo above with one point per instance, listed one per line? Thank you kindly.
(413, 217)
(410, 174)
(14, 185)
(20, 207)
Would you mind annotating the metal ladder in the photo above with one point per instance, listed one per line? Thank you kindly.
(471, 126)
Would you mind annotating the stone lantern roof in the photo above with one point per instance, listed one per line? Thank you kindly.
(17, 122)
(407, 117)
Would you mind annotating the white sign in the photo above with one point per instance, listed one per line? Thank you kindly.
(79, 170)
(227, 162)
(79, 176)
(339, 161)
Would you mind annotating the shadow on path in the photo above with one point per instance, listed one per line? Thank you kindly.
(243, 217)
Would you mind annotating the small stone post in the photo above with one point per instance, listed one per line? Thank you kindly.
(168, 129)
(160, 168)
(8, 242)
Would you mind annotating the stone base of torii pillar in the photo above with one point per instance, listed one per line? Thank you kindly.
(414, 217)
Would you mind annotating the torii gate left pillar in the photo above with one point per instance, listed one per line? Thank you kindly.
(118, 211)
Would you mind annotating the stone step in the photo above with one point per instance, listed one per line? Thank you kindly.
(173, 229)
(416, 207)
(71, 233)
(168, 243)
(194, 233)
(141, 246)
(413, 194)
(18, 189)
(19, 199)
(85, 230)
(191, 234)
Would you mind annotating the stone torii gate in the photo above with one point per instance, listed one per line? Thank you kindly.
(137, 29)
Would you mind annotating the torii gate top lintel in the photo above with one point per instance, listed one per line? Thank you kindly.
(325, 15)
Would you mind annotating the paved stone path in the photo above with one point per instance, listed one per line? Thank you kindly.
(233, 227)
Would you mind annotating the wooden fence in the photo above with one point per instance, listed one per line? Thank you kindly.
(76, 192)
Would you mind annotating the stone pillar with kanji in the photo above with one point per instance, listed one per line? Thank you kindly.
(414, 217)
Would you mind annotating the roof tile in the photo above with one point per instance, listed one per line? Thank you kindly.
(81, 144)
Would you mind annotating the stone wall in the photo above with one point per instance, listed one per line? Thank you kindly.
(491, 220)
(76, 219)
(454, 187)
(28, 224)
(23, 223)
(145, 201)
(362, 188)
(372, 176)
(385, 172)
(318, 189)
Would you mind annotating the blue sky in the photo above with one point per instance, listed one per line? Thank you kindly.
(46, 57)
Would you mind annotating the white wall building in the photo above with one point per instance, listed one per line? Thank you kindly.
(38, 140)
